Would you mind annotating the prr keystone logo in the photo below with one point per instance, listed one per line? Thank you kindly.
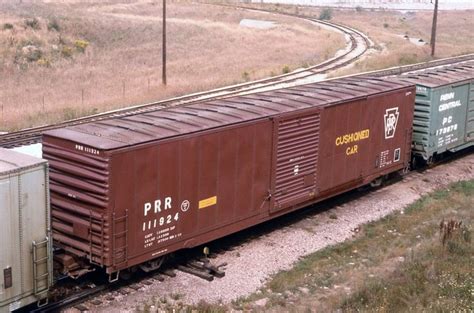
(391, 120)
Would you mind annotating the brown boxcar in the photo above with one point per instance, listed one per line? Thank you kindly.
(129, 190)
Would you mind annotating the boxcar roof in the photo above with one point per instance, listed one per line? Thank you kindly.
(139, 128)
(442, 76)
(12, 161)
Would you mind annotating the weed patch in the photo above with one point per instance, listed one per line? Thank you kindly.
(53, 25)
(8, 26)
(32, 23)
(417, 261)
(81, 45)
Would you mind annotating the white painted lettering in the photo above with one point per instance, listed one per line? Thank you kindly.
(167, 203)
(147, 208)
(450, 105)
(446, 96)
(157, 206)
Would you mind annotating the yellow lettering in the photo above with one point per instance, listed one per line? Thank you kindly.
(352, 150)
(353, 137)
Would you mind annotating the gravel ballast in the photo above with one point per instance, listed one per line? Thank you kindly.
(253, 263)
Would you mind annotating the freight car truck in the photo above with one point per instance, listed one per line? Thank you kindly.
(25, 246)
(130, 190)
(444, 111)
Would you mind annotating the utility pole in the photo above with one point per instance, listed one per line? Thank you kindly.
(433, 28)
(164, 43)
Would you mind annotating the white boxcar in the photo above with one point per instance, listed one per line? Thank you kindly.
(25, 247)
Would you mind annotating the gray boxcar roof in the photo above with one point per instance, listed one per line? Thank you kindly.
(12, 161)
(131, 130)
(442, 76)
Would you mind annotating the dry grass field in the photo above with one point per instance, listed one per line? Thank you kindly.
(64, 59)
(455, 36)
(388, 28)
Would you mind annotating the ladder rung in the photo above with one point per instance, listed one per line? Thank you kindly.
(42, 260)
(42, 276)
(36, 244)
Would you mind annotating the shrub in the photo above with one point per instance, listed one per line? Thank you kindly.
(81, 45)
(246, 76)
(69, 114)
(54, 25)
(286, 69)
(385, 25)
(32, 23)
(34, 56)
(359, 8)
(43, 62)
(66, 51)
(30, 53)
(326, 14)
(7, 26)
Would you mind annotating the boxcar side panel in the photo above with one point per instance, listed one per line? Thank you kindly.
(10, 264)
(365, 139)
(178, 190)
(24, 211)
(450, 107)
(422, 120)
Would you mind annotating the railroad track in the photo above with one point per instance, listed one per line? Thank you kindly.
(359, 44)
(88, 299)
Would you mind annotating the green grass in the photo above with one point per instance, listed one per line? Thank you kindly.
(397, 264)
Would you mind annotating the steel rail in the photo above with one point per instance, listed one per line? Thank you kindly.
(227, 243)
(71, 300)
(33, 135)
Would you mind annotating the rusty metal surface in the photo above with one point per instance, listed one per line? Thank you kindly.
(434, 78)
(171, 122)
(131, 189)
(296, 159)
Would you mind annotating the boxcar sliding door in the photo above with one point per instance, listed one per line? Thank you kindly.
(296, 142)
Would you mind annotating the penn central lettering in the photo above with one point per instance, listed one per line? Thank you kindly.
(354, 137)
(157, 206)
(449, 105)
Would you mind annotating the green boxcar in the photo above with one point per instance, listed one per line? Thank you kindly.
(444, 110)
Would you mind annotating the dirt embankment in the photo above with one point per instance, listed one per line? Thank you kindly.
(65, 59)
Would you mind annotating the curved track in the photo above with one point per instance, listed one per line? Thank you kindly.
(358, 45)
